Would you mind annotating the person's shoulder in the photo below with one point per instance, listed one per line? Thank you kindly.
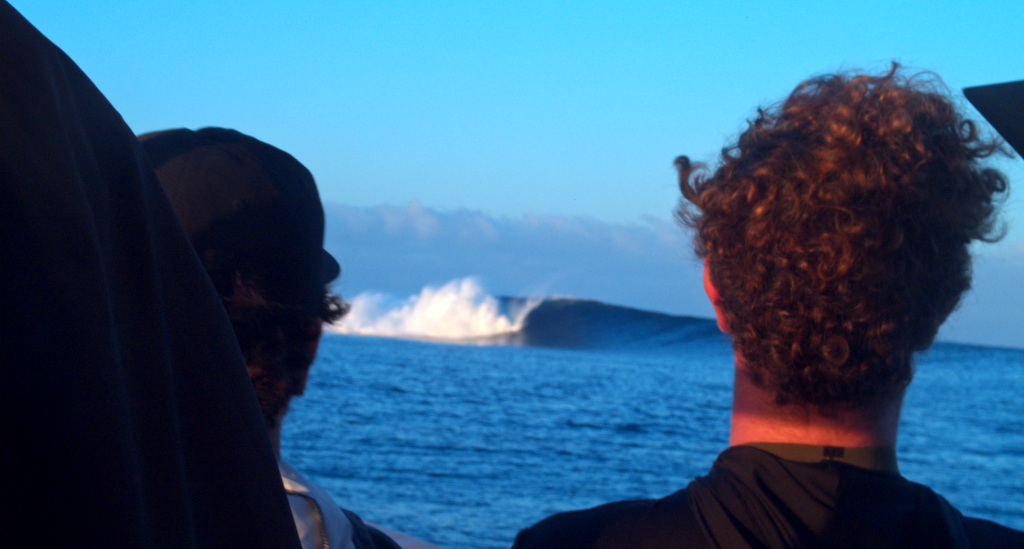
(973, 532)
(576, 528)
(984, 533)
(644, 523)
(365, 536)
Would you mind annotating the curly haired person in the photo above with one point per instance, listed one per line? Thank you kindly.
(835, 235)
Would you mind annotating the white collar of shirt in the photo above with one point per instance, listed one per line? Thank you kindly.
(319, 520)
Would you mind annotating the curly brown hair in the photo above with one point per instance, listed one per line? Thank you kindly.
(836, 231)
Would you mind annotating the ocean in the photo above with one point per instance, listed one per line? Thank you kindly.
(558, 404)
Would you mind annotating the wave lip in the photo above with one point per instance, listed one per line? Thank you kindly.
(569, 323)
(460, 310)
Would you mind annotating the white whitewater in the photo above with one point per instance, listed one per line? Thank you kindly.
(460, 309)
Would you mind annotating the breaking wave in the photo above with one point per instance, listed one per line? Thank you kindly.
(461, 311)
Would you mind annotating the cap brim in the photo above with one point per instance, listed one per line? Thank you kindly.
(329, 268)
(1003, 106)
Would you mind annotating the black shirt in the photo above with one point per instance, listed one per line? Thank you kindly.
(754, 499)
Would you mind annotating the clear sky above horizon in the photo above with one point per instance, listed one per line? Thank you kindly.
(510, 108)
(549, 126)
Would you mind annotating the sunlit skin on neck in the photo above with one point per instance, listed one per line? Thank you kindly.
(756, 417)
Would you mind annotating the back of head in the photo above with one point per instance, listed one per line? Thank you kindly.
(254, 217)
(837, 232)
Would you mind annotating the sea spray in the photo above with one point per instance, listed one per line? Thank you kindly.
(459, 310)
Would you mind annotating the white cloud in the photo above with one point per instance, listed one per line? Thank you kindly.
(399, 250)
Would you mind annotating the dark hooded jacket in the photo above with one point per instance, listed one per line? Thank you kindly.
(753, 499)
(128, 419)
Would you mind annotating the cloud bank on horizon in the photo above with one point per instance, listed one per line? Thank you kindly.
(399, 250)
(389, 253)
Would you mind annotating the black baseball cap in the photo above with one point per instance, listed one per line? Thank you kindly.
(240, 197)
(1003, 106)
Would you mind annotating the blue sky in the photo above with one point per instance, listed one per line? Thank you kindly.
(510, 109)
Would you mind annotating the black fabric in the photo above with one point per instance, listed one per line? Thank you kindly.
(128, 417)
(651, 524)
(753, 499)
(365, 536)
(1003, 106)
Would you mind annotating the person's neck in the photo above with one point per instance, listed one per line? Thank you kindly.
(756, 417)
(275, 432)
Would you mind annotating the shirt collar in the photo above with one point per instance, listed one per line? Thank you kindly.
(875, 458)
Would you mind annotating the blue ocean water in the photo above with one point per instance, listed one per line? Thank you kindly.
(464, 444)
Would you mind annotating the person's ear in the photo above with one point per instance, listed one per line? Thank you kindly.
(712, 291)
